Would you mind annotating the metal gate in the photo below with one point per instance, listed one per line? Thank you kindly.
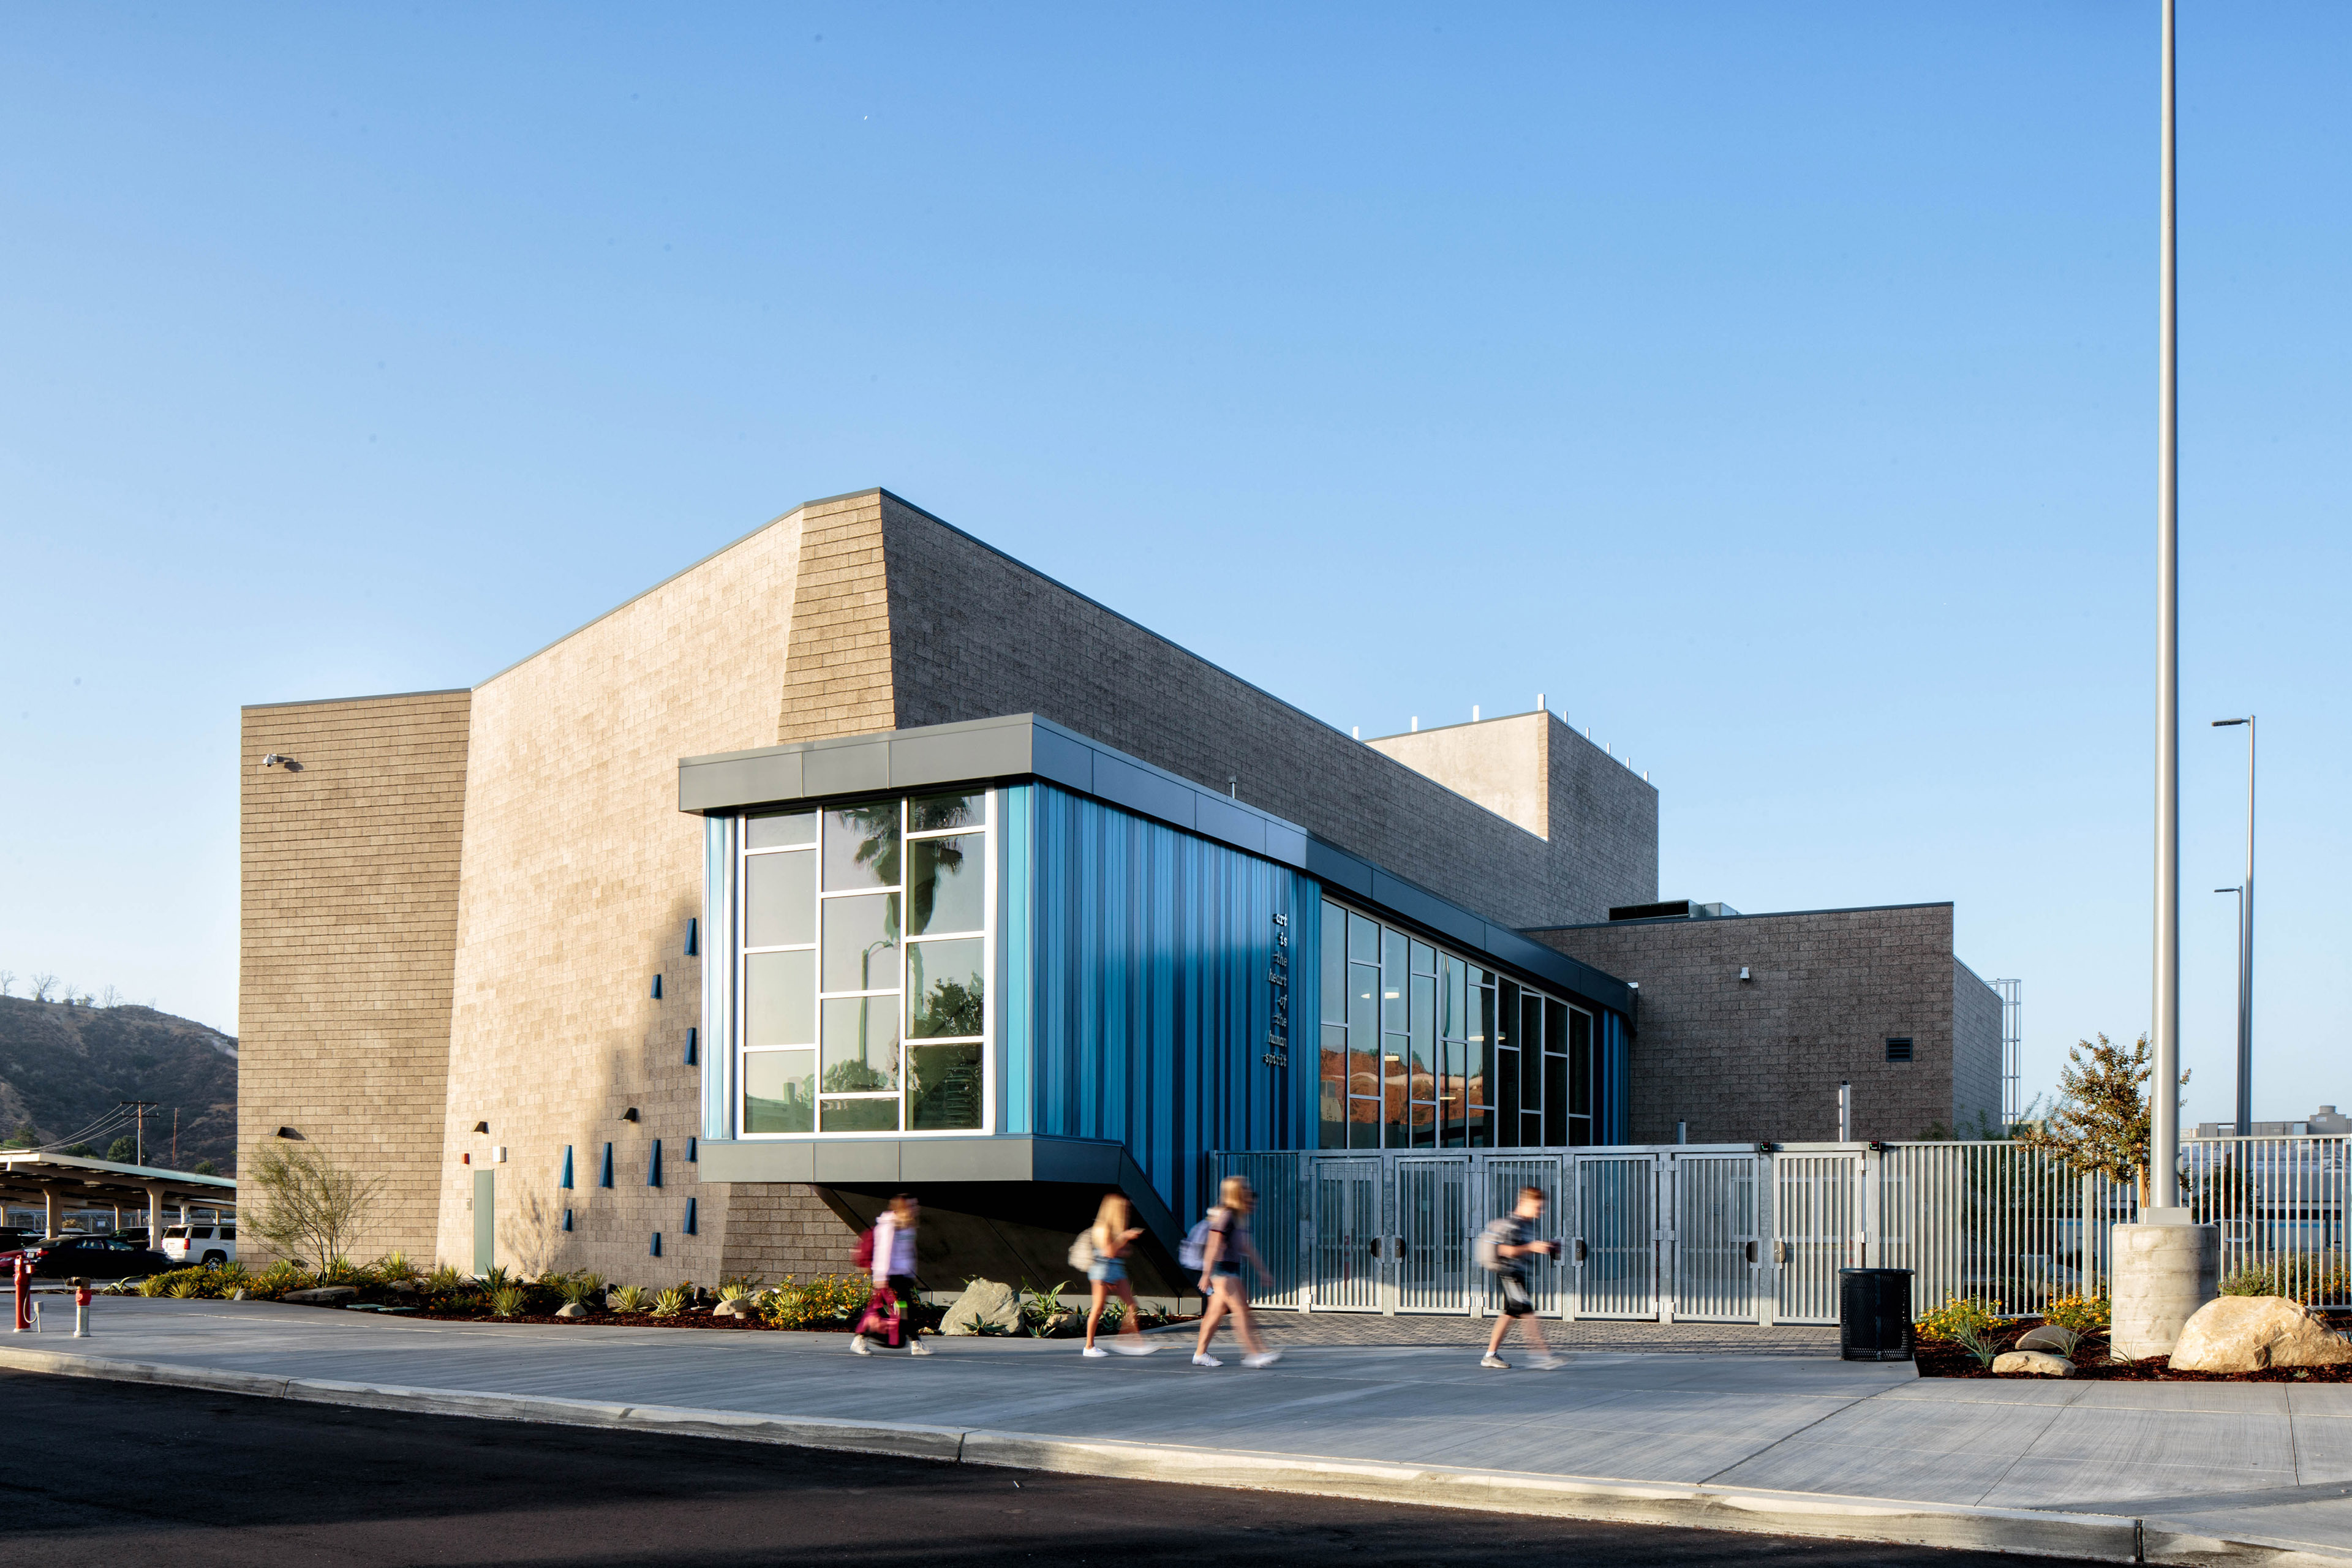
(1744, 1233)
(1432, 1234)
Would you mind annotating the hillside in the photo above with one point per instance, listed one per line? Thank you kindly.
(64, 1067)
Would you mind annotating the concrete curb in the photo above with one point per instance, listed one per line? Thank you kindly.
(2112, 1538)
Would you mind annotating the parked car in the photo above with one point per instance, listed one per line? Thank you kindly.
(88, 1257)
(187, 1244)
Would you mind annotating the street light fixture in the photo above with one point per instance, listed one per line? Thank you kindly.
(2246, 945)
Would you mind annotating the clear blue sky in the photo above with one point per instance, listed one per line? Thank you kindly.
(1772, 387)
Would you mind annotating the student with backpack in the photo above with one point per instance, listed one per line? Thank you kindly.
(887, 1251)
(1101, 1250)
(1503, 1248)
(1217, 1247)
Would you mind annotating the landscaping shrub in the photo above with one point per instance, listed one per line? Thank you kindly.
(629, 1299)
(509, 1301)
(575, 1290)
(1948, 1321)
(670, 1302)
(739, 1288)
(825, 1300)
(2081, 1314)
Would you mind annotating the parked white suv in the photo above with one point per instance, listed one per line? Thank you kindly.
(200, 1243)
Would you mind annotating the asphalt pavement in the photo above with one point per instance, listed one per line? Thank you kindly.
(111, 1473)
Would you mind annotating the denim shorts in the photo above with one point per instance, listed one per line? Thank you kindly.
(1105, 1270)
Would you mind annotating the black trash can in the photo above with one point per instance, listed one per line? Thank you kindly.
(1874, 1314)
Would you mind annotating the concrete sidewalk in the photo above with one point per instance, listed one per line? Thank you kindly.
(1802, 1445)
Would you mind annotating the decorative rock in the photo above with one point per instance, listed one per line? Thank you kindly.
(2247, 1334)
(402, 1288)
(2047, 1337)
(986, 1302)
(572, 1309)
(324, 1295)
(239, 1294)
(2038, 1363)
(736, 1308)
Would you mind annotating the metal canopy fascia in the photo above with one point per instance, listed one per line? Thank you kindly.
(1023, 746)
(79, 1179)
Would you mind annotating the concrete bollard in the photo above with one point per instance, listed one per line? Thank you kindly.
(2162, 1274)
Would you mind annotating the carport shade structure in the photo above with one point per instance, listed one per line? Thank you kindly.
(58, 1180)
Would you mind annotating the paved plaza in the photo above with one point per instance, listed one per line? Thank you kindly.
(2268, 1463)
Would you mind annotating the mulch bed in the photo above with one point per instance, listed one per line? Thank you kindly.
(1936, 1358)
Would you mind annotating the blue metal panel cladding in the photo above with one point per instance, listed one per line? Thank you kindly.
(1147, 974)
(1616, 1081)
(718, 1037)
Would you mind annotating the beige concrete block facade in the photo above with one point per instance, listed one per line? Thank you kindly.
(563, 876)
(1761, 1059)
(581, 874)
(348, 905)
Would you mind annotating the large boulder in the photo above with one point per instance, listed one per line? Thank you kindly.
(984, 1304)
(2038, 1363)
(2247, 1334)
(2047, 1337)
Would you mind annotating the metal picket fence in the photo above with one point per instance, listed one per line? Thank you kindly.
(1731, 1233)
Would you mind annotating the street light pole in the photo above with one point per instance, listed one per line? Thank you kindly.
(2164, 1141)
(2246, 946)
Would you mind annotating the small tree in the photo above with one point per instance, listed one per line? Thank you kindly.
(24, 1137)
(7, 979)
(206, 1168)
(108, 997)
(42, 985)
(2103, 1121)
(122, 1151)
(311, 1206)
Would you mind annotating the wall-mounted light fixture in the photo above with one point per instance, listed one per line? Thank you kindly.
(481, 1127)
(630, 1114)
(657, 987)
(691, 1227)
(693, 1036)
(693, 938)
(1743, 973)
(289, 1132)
(278, 760)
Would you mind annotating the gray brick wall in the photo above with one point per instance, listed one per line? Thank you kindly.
(974, 634)
(1976, 1051)
(1762, 1058)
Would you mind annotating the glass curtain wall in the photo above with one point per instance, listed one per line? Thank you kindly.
(865, 967)
(1424, 1049)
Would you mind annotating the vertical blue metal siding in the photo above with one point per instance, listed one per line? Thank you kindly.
(1616, 1080)
(1137, 990)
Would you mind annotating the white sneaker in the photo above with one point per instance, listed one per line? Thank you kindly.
(1093, 1352)
(1126, 1344)
(916, 1347)
(1263, 1358)
(1546, 1362)
(1203, 1358)
(1494, 1361)
(857, 1345)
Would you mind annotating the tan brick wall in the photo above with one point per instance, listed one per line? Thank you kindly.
(581, 874)
(348, 907)
(780, 1228)
(1741, 1060)
(837, 681)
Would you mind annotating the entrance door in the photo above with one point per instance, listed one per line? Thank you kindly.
(1616, 1249)
(1433, 1234)
(486, 1220)
(1817, 1230)
(1715, 1245)
(1348, 1229)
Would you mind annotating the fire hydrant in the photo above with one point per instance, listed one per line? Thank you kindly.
(23, 1296)
(81, 1308)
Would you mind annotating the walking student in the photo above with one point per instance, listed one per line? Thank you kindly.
(1110, 1239)
(1224, 1248)
(1504, 1249)
(894, 1272)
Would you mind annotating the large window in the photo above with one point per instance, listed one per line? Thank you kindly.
(865, 967)
(1423, 1049)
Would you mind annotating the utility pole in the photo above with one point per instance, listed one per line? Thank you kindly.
(2164, 1092)
(139, 1110)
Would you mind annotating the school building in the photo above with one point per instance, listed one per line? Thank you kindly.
(859, 858)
